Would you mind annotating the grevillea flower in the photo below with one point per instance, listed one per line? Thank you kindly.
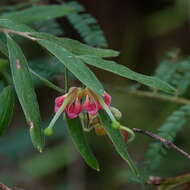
(74, 107)
(107, 100)
(91, 105)
(59, 101)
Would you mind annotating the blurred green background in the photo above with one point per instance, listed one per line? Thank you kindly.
(143, 31)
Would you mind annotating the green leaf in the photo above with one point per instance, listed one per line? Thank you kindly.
(25, 92)
(45, 81)
(115, 136)
(77, 47)
(76, 131)
(74, 65)
(127, 73)
(9, 24)
(3, 47)
(38, 13)
(6, 108)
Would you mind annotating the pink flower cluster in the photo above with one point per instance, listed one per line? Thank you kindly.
(90, 104)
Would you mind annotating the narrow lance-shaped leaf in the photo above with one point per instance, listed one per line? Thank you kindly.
(38, 13)
(77, 47)
(6, 108)
(25, 91)
(76, 131)
(118, 142)
(9, 24)
(45, 81)
(74, 65)
(127, 73)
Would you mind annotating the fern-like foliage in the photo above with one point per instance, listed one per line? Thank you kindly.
(176, 72)
(49, 26)
(168, 130)
(86, 25)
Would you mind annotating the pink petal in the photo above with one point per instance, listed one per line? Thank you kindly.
(107, 98)
(91, 106)
(74, 109)
(59, 101)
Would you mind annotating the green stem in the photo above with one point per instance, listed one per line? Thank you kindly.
(47, 82)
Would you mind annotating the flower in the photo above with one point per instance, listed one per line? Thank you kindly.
(107, 99)
(74, 106)
(59, 101)
(91, 105)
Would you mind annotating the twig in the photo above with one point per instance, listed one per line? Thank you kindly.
(166, 142)
(170, 98)
(24, 34)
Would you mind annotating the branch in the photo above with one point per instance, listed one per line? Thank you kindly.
(166, 142)
(24, 34)
(164, 97)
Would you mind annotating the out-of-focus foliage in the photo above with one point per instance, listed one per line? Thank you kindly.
(87, 26)
(175, 70)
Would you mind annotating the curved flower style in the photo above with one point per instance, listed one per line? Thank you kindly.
(74, 107)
